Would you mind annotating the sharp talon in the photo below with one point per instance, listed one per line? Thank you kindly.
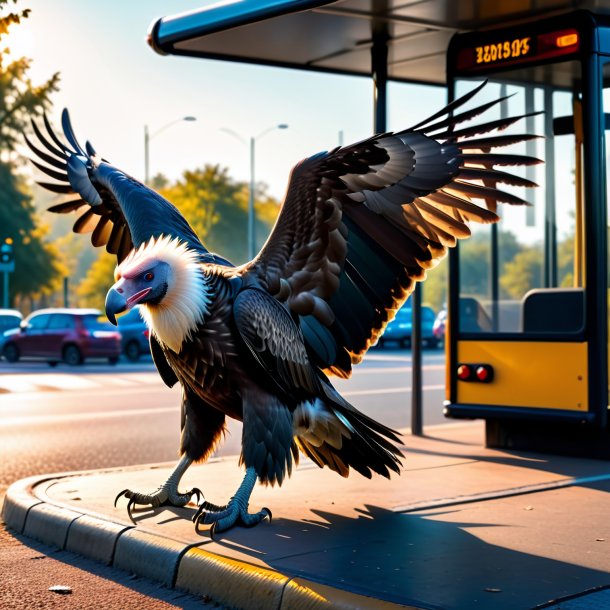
(121, 494)
(213, 531)
(197, 524)
(269, 513)
(197, 493)
(198, 513)
(131, 504)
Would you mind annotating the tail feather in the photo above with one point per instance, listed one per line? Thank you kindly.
(333, 433)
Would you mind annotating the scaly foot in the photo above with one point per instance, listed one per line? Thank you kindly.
(225, 518)
(236, 511)
(165, 495)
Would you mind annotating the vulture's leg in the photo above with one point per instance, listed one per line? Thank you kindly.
(167, 494)
(236, 511)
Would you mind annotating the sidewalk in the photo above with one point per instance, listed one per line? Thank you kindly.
(463, 527)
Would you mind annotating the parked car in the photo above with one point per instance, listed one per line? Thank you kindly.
(71, 335)
(400, 329)
(9, 319)
(440, 325)
(134, 333)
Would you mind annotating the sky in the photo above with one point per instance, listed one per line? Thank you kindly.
(114, 84)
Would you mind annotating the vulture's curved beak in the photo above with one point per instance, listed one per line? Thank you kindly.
(115, 303)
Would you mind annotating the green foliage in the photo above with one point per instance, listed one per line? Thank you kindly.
(19, 97)
(434, 289)
(216, 206)
(523, 273)
(91, 292)
(565, 262)
(37, 263)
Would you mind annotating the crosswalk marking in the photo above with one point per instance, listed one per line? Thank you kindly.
(33, 382)
(63, 381)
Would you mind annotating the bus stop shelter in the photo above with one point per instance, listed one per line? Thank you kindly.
(402, 40)
(381, 39)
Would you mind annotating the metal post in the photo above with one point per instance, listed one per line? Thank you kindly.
(148, 137)
(530, 151)
(494, 259)
(550, 227)
(379, 64)
(146, 161)
(66, 300)
(416, 359)
(379, 60)
(6, 299)
(251, 201)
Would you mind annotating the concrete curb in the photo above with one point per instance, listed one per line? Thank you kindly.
(237, 584)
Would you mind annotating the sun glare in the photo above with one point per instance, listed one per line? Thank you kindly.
(19, 42)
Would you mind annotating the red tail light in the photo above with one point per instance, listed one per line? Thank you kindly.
(464, 372)
(147, 333)
(483, 373)
(84, 333)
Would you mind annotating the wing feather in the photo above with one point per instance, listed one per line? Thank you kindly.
(361, 224)
(128, 213)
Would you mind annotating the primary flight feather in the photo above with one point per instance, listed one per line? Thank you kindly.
(358, 227)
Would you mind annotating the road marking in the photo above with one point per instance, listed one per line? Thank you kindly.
(399, 390)
(385, 358)
(71, 381)
(68, 417)
(396, 369)
(31, 383)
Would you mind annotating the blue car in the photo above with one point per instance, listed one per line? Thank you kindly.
(134, 333)
(10, 319)
(400, 329)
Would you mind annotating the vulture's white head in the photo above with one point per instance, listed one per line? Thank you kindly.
(165, 277)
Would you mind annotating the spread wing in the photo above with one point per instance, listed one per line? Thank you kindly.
(118, 211)
(361, 224)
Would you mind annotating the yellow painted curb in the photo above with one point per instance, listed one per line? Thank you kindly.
(230, 582)
(148, 555)
(302, 594)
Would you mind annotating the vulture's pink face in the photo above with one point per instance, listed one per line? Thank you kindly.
(166, 278)
(146, 281)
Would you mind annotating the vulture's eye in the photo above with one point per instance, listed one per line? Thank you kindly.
(149, 276)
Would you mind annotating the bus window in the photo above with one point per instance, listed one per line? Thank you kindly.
(517, 275)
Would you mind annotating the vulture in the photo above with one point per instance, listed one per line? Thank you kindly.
(359, 226)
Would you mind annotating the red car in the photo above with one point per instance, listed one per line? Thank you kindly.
(71, 335)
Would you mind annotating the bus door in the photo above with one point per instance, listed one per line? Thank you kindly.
(527, 334)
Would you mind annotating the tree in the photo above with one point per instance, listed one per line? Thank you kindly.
(91, 292)
(434, 289)
(523, 273)
(216, 206)
(37, 263)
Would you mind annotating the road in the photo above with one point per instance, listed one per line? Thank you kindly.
(120, 416)
(99, 416)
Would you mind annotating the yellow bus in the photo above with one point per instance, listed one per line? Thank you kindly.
(527, 339)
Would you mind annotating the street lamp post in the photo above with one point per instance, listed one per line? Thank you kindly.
(148, 137)
(251, 214)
